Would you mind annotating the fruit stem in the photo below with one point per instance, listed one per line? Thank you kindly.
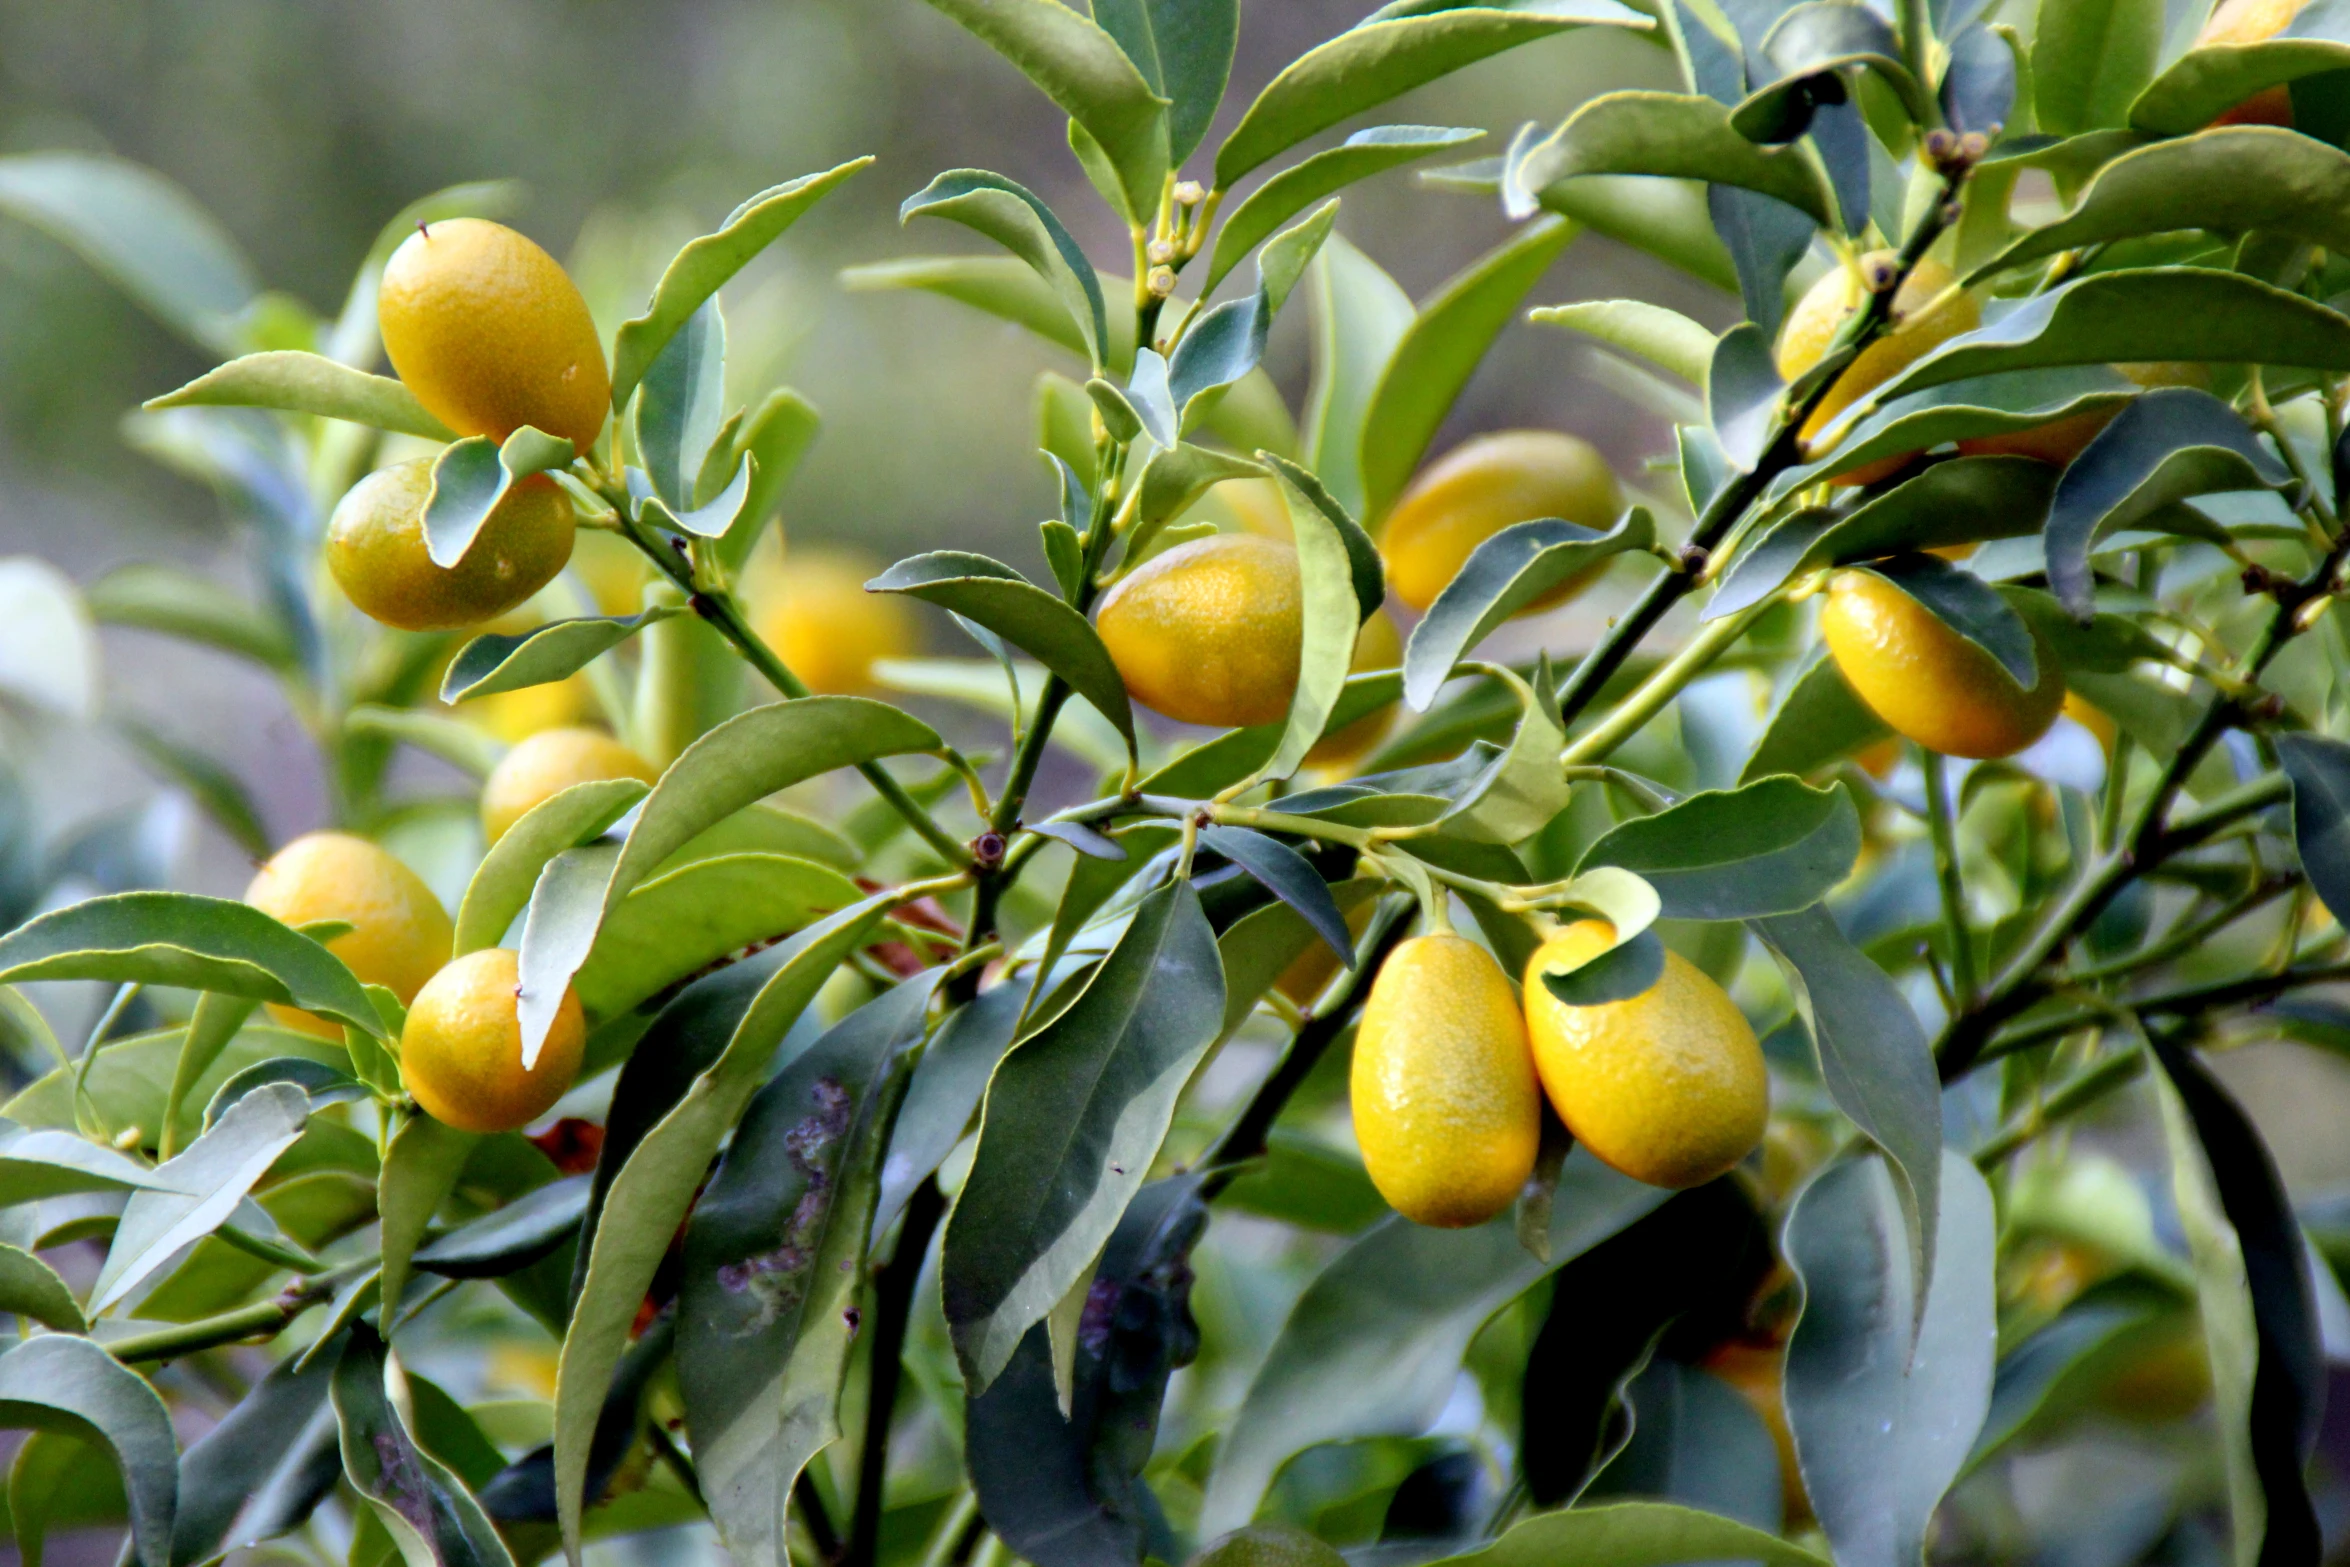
(2069, 1099)
(1942, 822)
(261, 1320)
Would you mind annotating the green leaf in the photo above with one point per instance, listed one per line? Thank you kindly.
(31, 1288)
(680, 412)
(1173, 477)
(1017, 219)
(509, 1239)
(1742, 395)
(1441, 349)
(417, 1499)
(946, 1088)
(420, 1170)
(773, 1265)
(460, 744)
(211, 1026)
(1289, 876)
(980, 683)
(1074, 1116)
(1226, 343)
(1816, 41)
(177, 938)
(219, 792)
(1024, 615)
(39, 1164)
(1969, 606)
(1771, 847)
(471, 476)
(1081, 68)
(271, 1451)
(1503, 575)
(502, 883)
(144, 233)
(684, 919)
(557, 650)
(1633, 1534)
(1888, 1384)
(1365, 153)
(2093, 58)
(2165, 447)
(1330, 549)
(156, 597)
(775, 435)
(1677, 135)
(696, 273)
(1067, 1490)
(2051, 1373)
(2231, 180)
(54, 1485)
(205, 1185)
(1382, 58)
(295, 382)
(2260, 1321)
(737, 764)
(2204, 82)
(1360, 317)
(1522, 788)
(1184, 49)
(1374, 1346)
(1665, 338)
(655, 1186)
(2184, 313)
(2319, 769)
(68, 1385)
(1874, 1060)
(1959, 411)
(1002, 286)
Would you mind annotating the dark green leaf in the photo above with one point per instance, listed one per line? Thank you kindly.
(1962, 410)
(1286, 874)
(1819, 39)
(1979, 85)
(1227, 342)
(2203, 83)
(1067, 1491)
(497, 661)
(1633, 1534)
(416, 1498)
(2167, 446)
(524, 1491)
(1770, 847)
(1441, 349)
(57, 1483)
(2035, 1377)
(946, 1088)
(1074, 1116)
(2094, 58)
(1888, 1384)
(420, 1169)
(264, 1468)
(1819, 720)
(295, 382)
(1874, 1060)
(679, 416)
(2319, 768)
(1679, 135)
(144, 233)
(1024, 615)
(1380, 58)
(1374, 1345)
(205, 1185)
(1695, 1441)
(1343, 585)
(1503, 575)
(735, 765)
(684, 919)
(68, 1385)
(1184, 49)
(177, 938)
(2260, 1322)
(1298, 187)
(31, 1288)
(500, 1242)
(643, 1203)
(1630, 968)
(2167, 313)
(1742, 390)
(1969, 606)
(471, 476)
(774, 1260)
(696, 273)
(1018, 220)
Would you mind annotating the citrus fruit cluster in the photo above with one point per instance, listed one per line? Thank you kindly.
(1451, 1059)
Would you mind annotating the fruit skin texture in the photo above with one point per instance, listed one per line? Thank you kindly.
(1486, 484)
(461, 1054)
(1928, 682)
(545, 764)
(1813, 323)
(491, 334)
(1377, 646)
(375, 547)
(1445, 1101)
(812, 608)
(1667, 1086)
(1210, 632)
(2251, 22)
(399, 937)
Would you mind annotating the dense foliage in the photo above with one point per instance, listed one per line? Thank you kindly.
(962, 1169)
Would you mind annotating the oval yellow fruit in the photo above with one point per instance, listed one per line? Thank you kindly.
(375, 547)
(1377, 646)
(1446, 1108)
(461, 1054)
(1928, 682)
(812, 608)
(545, 764)
(1915, 331)
(1486, 484)
(399, 936)
(1209, 632)
(491, 334)
(1667, 1086)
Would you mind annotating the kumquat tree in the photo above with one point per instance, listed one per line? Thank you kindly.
(1408, 996)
